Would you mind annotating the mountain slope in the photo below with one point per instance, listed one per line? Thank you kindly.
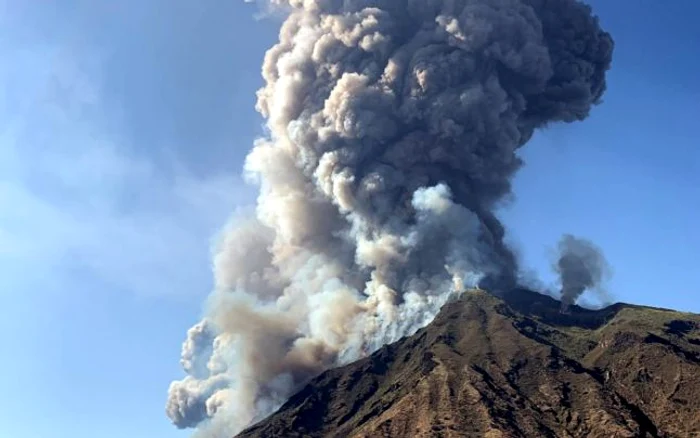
(513, 367)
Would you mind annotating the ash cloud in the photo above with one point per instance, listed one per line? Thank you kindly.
(393, 131)
(581, 266)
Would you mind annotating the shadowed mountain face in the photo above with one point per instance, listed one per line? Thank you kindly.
(513, 367)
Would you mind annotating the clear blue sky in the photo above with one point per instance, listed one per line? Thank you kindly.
(123, 128)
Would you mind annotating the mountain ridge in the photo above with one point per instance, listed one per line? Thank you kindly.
(512, 366)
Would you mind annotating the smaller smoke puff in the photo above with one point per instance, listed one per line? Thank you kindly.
(581, 266)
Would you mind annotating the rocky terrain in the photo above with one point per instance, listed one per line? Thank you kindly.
(513, 367)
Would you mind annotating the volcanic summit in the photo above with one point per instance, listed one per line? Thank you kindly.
(512, 367)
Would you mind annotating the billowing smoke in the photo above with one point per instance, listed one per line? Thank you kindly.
(581, 266)
(393, 130)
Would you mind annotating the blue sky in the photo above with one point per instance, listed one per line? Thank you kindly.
(123, 126)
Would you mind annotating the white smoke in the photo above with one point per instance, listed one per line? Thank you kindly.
(393, 131)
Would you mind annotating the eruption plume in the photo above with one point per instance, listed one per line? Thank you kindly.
(393, 130)
(581, 266)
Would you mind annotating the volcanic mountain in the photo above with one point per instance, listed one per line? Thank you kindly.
(512, 366)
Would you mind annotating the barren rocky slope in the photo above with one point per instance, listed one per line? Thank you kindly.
(513, 367)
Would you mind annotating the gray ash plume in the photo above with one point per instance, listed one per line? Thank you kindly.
(393, 131)
(581, 266)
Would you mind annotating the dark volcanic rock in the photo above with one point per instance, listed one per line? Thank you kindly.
(513, 367)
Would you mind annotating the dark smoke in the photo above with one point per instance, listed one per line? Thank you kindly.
(394, 126)
(581, 266)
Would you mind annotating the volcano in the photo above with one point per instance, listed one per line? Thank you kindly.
(512, 366)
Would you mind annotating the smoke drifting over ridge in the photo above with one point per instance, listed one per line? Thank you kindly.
(393, 131)
(581, 266)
